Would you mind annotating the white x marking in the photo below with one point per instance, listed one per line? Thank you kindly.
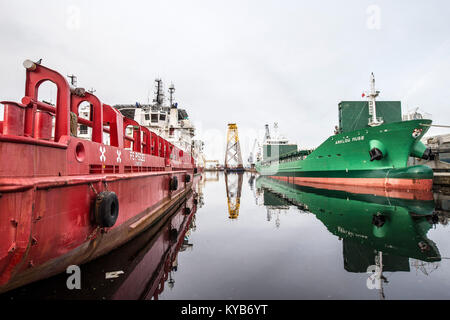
(102, 156)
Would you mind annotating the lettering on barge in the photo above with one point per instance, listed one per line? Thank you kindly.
(347, 140)
(137, 157)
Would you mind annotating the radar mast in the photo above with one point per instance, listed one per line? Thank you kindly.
(374, 121)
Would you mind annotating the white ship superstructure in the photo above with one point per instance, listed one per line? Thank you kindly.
(168, 121)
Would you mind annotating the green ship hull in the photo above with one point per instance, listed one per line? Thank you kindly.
(373, 156)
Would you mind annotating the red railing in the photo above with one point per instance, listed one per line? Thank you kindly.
(34, 119)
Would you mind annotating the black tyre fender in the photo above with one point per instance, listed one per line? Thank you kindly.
(187, 211)
(187, 178)
(106, 209)
(173, 235)
(195, 170)
(173, 184)
(428, 154)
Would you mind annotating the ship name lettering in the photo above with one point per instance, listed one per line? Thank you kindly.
(358, 138)
(137, 156)
(342, 141)
(347, 140)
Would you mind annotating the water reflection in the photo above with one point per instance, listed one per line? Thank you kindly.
(147, 262)
(379, 233)
(282, 244)
(256, 192)
(233, 186)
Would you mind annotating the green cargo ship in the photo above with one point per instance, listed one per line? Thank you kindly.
(368, 149)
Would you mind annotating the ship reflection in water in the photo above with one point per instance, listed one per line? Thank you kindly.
(379, 234)
(144, 266)
(260, 238)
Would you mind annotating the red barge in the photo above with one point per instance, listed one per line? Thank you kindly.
(148, 263)
(66, 200)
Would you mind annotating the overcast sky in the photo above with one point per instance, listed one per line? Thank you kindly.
(249, 62)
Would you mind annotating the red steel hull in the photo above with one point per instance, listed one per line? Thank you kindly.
(380, 183)
(65, 234)
(146, 262)
(362, 186)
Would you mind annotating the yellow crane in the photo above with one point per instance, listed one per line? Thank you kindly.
(233, 184)
(233, 157)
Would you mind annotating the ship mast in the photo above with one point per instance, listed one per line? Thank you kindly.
(171, 92)
(374, 121)
(275, 130)
(73, 79)
(267, 134)
(159, 93)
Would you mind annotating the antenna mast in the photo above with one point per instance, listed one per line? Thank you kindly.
(171, 91)
(159, 94)
(73, 80)
(374, 121)
(267, 134)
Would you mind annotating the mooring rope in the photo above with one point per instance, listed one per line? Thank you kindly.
(434, 125)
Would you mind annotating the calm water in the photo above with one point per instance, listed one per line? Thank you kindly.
(270, 240)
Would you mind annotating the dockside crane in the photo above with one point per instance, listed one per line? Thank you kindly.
(233, 157)
(252, 155)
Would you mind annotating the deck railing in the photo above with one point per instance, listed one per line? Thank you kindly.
(50, 123)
